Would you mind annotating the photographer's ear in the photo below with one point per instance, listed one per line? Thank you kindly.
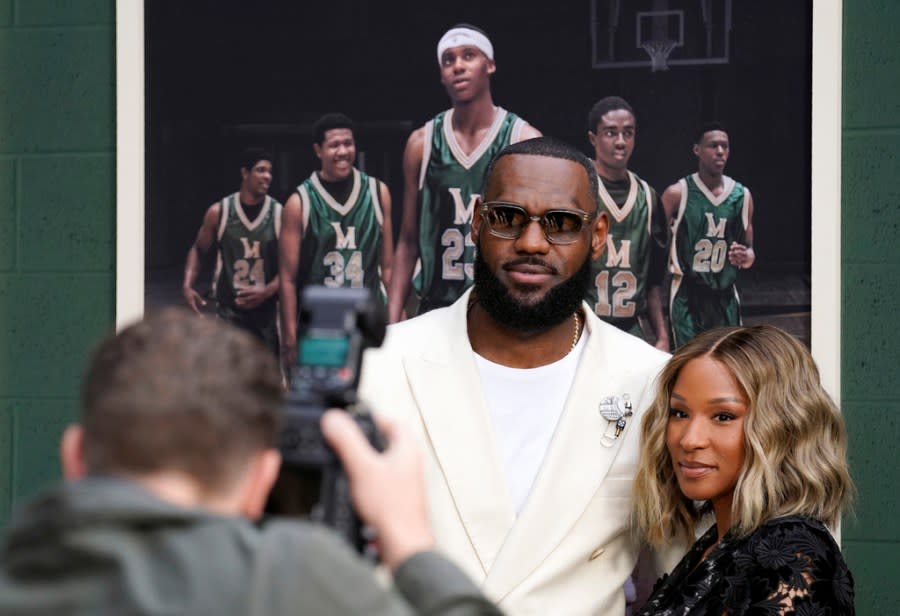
(261, 475)
(71, 453)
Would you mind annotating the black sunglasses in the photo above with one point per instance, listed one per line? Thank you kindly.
(508, 220)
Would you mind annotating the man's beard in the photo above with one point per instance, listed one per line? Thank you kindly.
(557, 305)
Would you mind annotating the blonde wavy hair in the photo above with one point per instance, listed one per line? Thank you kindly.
(794, 439)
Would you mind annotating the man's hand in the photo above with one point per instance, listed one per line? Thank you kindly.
(740, 256)
(388, 489)
(251, 296)
(193, 299)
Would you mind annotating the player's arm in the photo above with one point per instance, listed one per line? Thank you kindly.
(206, 239)
(740, 255)
(387, 235)
(404, 261)
(659, 241)
(288, 265)
(670, 200)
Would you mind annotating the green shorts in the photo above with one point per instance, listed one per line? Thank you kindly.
(695, 308)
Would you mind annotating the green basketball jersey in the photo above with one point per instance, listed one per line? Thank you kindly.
(341, 244)
(449, 183)
(248, 250)
(704, 228)
(620, 276)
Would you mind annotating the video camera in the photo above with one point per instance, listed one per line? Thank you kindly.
(336, 326)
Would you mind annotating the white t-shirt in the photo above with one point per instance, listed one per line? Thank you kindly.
(525, 406)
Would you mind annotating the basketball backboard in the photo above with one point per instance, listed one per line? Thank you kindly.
(635, 33)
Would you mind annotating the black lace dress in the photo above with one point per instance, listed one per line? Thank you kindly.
(789, 565)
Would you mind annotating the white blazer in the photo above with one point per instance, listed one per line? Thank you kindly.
(570, 549)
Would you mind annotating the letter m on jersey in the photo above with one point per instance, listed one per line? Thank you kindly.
(714, 228)
(344, 242)
(250, 251)
(462, 213)
(620, 257)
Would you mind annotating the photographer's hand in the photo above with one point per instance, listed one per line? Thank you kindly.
(388, 489)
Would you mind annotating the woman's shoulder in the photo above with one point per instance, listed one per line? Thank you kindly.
(798, 560)
(795, 530)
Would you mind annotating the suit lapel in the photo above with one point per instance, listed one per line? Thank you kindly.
(445, 383)
(575, 465)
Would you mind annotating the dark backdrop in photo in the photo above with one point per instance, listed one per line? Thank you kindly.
(223, 74)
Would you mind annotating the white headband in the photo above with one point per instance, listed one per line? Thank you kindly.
(457, 37)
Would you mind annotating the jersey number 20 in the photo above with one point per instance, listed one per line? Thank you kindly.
(710, 257)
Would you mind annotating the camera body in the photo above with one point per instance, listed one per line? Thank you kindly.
(336, 327)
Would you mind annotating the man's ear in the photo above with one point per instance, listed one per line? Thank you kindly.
(696, 149)
(598, 237)
(318, 150)
(71, 453)
(491, 67)
(261, 477)
(592, 138)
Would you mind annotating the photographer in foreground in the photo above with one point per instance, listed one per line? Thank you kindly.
(173, 461)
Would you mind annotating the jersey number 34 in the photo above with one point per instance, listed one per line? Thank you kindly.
(342, 271)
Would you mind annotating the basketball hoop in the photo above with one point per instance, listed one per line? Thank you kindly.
(659, 52)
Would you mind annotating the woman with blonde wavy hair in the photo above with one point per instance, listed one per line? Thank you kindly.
(742, 428)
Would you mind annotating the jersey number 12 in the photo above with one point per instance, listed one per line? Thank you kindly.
(621, 306)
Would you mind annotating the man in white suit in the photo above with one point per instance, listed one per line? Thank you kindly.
(527, 404)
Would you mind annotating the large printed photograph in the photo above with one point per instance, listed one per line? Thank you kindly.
(222, 78)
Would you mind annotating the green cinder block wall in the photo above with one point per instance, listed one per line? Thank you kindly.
(870, 277)
(57, 223)
(57, 232)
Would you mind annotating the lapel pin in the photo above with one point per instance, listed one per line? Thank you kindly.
(616, 409)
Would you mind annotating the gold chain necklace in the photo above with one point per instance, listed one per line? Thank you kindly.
(577, 331)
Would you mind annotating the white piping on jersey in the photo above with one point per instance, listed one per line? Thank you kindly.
(674, 266)
(466, 161)
(649, 206)
(515, 136)
(304, 209)
(618, 213)
(673, 290)
(376, 200)
(277, 220)
(341, 208)
(251, 226)
(223, 221)
(223, 214)
(745, 209)
(426, 152)
(727, 187)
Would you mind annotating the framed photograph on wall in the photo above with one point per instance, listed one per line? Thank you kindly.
(677, 62)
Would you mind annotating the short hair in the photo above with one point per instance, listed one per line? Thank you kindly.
(328, 122)
(604, 106)
(795, 442)
(180, 392)
(551, 148)
(252, 155)
(708, 127)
